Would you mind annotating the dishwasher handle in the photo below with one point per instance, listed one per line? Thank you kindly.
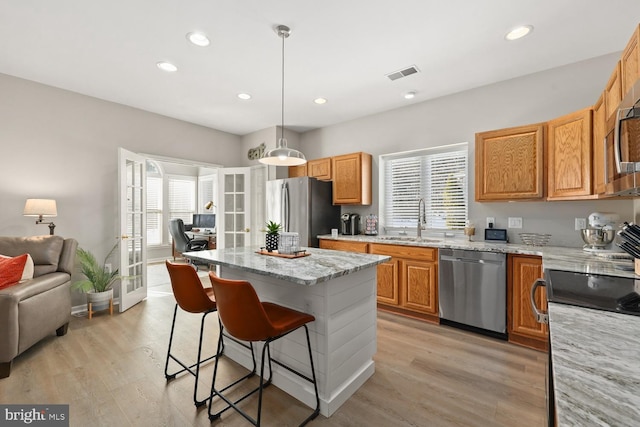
(468, 260)
(541, 316)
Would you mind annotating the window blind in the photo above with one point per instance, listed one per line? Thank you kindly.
(182, 197)
(439, 176)
(154, 210)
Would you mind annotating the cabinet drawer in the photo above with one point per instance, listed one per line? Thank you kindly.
(339, 245)
(406, 252)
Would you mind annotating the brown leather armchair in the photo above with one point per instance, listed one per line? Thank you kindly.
(35, 308)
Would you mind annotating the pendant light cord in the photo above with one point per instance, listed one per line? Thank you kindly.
(282, 128)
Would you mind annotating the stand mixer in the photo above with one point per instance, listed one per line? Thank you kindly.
(600, 232)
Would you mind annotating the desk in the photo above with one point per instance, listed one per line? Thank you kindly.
(211, 238)
(339, 289)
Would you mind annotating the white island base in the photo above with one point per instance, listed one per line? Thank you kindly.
(343, 336)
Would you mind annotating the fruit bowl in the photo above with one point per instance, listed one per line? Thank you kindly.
(597, 237)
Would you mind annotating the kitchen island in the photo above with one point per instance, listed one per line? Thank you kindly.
(339, 289)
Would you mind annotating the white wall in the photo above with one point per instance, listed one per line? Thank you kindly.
(62, 145)
(456, 118)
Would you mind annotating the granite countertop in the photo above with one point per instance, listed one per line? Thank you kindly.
(322, 265)
(595, 366)
(553, 257)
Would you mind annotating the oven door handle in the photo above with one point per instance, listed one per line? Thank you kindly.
(541, 316)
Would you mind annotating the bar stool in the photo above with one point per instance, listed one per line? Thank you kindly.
(245, 318)
(192, 297)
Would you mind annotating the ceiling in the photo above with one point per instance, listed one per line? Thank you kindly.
(339, 49)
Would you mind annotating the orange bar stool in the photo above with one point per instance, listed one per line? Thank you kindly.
(245, 318)
(192, 297)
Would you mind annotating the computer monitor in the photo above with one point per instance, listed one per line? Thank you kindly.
(204, 221)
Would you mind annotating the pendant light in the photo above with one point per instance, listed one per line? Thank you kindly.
(283, 155)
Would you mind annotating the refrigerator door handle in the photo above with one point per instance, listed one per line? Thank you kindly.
(285, 206)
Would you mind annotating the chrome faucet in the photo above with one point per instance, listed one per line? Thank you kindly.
(422, 217)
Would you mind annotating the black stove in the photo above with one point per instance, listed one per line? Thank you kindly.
(610, 293)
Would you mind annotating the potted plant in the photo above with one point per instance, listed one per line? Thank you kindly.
(98, 279)
(271, 239)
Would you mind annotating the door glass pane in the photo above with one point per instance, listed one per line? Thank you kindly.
(239, 183)
(240, 223)
(239, 240)
(239, 202)
(229, 223)
(229, 205)
(228, 183)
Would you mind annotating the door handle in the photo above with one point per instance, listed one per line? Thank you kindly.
(541, 316)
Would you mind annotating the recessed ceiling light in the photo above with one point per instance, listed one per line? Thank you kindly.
(519, 32)
(198, 39)
(410, 95)
(167, 66)
(244, 96)
(320, 101)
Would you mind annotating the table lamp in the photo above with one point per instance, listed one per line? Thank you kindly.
(41, 208)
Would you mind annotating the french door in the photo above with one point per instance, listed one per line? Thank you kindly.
(234, 214)
(133, 223)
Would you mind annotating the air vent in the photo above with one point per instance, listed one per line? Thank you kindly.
(403, 73)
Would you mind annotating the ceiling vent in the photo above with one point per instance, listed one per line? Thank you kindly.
(403, 73)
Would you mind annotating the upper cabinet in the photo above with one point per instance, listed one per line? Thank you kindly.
(510, 164)
(320, 169)
(296, 171)
(599, 126)
(351, 179)
(569, 156)
(630, 62)
(613, 91)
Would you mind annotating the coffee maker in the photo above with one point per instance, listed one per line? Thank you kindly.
(350, 223)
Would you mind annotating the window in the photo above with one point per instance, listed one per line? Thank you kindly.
(154, 203)
(437, 175)
(182, 197)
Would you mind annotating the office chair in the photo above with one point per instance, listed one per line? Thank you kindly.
(182, 241)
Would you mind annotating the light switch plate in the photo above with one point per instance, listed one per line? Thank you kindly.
(515, 222)
(580, 223)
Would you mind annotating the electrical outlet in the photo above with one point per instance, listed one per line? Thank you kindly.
(107, 268)
(491, 220)
(580, 223)
(515, 222)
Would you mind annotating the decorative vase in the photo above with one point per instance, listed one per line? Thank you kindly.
(271, 242)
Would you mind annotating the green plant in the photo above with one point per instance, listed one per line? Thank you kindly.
(97, 277)
(273, 227)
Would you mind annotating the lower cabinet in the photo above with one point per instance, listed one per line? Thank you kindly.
(523, 329)
(341, 245)
(408, 283)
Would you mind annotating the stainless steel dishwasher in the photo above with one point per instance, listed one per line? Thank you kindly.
(472, 290)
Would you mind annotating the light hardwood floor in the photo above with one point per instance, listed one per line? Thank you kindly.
(110, 371)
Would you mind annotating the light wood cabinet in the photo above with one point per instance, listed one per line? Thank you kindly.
(569, 160)
(320, 169)
(630, 62)
(408, 283)
(510, 164)
(341, 245)
(351, 179)
(523, 329)
(599, 132)
(613, 92)
(299, 170)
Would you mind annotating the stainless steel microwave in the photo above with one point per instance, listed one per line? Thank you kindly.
(622, 146)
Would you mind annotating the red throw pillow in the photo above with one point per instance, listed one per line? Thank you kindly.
(11, 270)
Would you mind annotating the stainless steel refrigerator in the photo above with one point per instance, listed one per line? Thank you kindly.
(303, 205)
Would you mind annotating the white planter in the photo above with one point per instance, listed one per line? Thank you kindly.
(99, 300)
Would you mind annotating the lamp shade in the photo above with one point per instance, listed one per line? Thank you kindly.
(283, 156)
(40, 207)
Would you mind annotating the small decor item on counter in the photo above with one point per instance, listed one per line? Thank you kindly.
(535, 239)
(469, 229)
(271, 239)
(289, 243)
(371, 225)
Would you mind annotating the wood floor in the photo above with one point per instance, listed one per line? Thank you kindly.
(110, 371)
